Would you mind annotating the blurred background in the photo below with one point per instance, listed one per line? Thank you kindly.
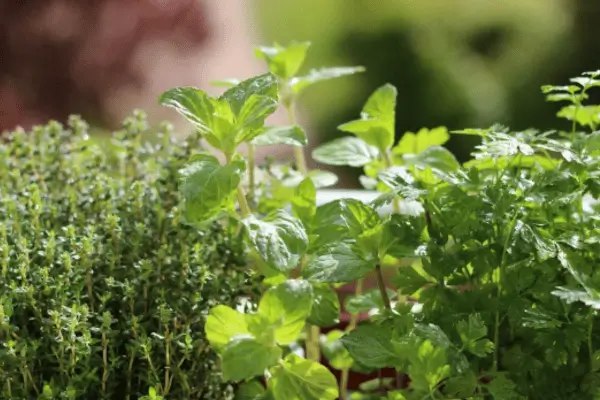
(456, 63)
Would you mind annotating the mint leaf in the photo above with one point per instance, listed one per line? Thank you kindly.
(322, 179)
(377, 124)
(472, 334)
(287, 306)
(317, 75)
(325, 309)
(415, 143)
(337, 263)
(300, 379)
(334, 350)
(343, 218)
(288, 135)
(263, 85)
(244, 358)
(229, 82)
(252, 116)
(370, 345)
(284, 61)
(194, 104)
(435, 157)
(252, 390)
(208, 187)
(222, 324)
(304, 202)
(279, 239)
(350, 151)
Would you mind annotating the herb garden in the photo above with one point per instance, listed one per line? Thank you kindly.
(157, 270)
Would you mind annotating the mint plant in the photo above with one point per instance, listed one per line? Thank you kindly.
(495, 294)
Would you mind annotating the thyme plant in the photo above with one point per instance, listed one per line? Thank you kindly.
(103, 292)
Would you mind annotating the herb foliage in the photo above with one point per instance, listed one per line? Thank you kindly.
(103, 292)
(496, 290)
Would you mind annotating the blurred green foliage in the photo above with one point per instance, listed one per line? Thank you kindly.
(456, 62)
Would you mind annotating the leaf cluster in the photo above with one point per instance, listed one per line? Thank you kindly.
(495, 291)
(103, 292)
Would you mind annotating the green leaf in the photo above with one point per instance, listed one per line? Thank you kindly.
(412, 143)
(334, 350)
(472, 334)
(194, 104)
(317, 75)
(350, 151)
(322, 179)
(463, 386)
(252, 390)
(337, 263)
(344, 218)
(583, 115)
(229, 82)
(366, 302)
(287, 306)
(301, 379)
(262, 85)
(262, 328)
(370, 345)
(288, 135)
(435, 157)
(408, 280)
(208, 187)
(245, 357)
(253, 114)
(572, 296)
(377, 124)
(502, 388)
(284, 61)
(279, 239)
(222, 324)
(325, 309)
(304, 202)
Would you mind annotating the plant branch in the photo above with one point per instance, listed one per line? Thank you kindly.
(251, 177)
(499, 288)
(298, 151)
(382, 289)
(353, 321)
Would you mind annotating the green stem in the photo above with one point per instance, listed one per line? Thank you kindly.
(389, 163)
(298, 151)
(499, 288)
(589, 338)
(241, 196)
(382, 288)
(251, 177)
(353, 322)
(313, 352)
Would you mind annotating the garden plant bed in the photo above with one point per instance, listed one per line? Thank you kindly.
(164, 272)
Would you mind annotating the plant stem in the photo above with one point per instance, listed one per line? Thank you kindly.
(388, 163)
(298, 151)
(353, 321)
(251, 177)
(589, 337)
(382, 288)
(511, 227)
(313, 352)
(241, 196)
